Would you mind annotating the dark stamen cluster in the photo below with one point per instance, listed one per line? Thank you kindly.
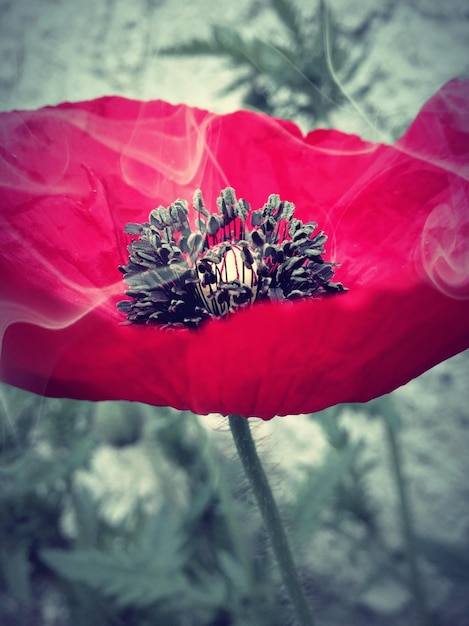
(288, 254)
(179, 276)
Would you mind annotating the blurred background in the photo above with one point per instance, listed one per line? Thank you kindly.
(116, 513)
(389, 56)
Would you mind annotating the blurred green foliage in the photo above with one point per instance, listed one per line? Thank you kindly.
(197, 553)
(286, 74)
(192, 558)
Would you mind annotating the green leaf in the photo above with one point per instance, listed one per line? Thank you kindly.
(225, 41)
(195, 47)
(289, 17)
(283, 80)
(147, 573)
(316, 490)
(130, 581)
(233, 44)
(256, 54)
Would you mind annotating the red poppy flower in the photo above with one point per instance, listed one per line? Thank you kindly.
(397, 221)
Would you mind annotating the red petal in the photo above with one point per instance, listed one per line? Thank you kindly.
(397, 217)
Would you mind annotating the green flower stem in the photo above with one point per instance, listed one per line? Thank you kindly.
(270, 514)
(407, 526)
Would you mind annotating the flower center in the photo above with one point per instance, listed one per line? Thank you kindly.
(227, 279)
(180, 276)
